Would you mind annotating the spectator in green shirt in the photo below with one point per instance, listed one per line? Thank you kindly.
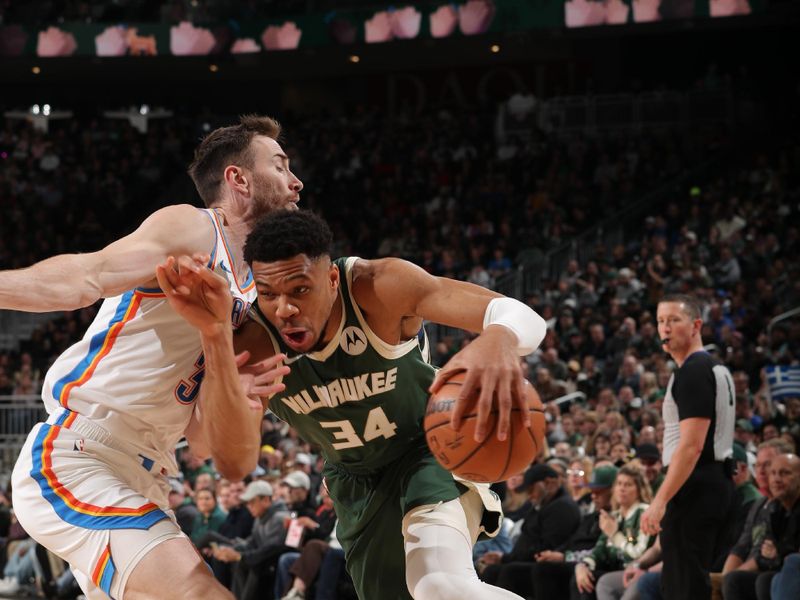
(210, 517)
(621, 542)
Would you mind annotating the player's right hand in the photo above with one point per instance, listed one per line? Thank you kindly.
(493, 371)
(196, 293)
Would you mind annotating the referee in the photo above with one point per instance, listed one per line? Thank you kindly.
(692, 504)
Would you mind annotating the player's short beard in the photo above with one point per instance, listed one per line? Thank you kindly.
(266, 197)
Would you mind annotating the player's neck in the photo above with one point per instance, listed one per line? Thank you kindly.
(236, 231)
(332, 325)
(236, 225)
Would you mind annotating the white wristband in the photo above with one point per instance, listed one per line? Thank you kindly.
(526, 324)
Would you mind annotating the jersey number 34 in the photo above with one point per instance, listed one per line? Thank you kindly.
(377, 425)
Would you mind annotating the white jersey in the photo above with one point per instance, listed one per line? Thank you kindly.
(137, 371)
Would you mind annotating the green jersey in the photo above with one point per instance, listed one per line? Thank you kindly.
(360, 399)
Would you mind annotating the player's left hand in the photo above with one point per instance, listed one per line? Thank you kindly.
(258, 380)
(195, 292)
(651, 518)
(492, 366)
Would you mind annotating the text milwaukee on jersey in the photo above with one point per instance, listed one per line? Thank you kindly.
(342, 390)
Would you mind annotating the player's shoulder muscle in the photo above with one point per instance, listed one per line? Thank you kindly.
(180, 228)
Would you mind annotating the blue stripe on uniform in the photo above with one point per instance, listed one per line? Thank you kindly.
(95, 345)
(77, 518)
(62, 417)
(108, 577)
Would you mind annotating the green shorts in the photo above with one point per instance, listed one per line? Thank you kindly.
(370, 509)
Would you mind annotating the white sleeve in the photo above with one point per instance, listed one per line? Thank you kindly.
(527, 325)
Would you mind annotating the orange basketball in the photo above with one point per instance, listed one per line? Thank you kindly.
(490, 460)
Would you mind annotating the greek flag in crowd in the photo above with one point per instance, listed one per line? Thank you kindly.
(784, 381)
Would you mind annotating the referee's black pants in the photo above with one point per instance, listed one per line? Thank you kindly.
(690, 532)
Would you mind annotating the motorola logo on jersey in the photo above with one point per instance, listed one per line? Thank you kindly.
(353, 341)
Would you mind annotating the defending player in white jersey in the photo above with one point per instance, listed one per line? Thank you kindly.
(90, 483)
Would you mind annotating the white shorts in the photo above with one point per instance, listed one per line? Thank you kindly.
(78, 492)
(477, 512)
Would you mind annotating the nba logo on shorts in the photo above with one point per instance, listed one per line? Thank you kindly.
(353, 341)
(78, 446)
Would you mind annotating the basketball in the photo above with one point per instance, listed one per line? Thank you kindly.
(490, 460)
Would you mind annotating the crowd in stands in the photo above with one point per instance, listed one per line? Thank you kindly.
(442, 192)
(457, 202)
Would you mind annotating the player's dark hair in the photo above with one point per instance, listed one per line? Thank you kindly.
(285, 234)
(691, 305)
(227, 146)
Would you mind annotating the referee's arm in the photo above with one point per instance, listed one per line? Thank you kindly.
(693, 433)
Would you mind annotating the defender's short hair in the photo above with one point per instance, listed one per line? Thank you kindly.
(226, 146)
(691, 305)
(286, 233)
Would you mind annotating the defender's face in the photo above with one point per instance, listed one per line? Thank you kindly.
(297, 296)
(275, 187)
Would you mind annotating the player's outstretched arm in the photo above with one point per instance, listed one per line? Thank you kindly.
(72, 281)
(398, 289)
(229, 421)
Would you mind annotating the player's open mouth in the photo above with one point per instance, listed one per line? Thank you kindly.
(296, 338)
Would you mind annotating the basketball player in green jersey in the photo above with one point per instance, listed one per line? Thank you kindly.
(358, 388)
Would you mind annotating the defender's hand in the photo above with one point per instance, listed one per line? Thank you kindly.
(196, 293)
(259, 379)
(492, 366)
